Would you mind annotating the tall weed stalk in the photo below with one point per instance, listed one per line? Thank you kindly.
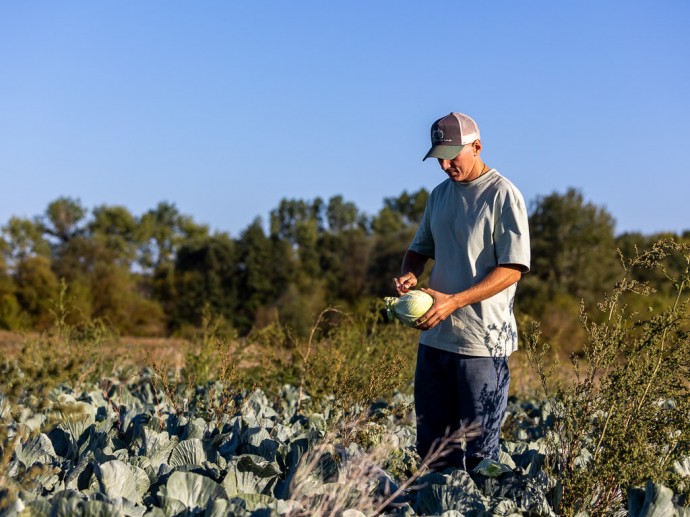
(210, 384)
(623, 419)
(354, 363)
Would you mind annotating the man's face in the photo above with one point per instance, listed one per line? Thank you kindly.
(460, 167)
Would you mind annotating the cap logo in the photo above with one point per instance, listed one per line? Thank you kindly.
(437, 136)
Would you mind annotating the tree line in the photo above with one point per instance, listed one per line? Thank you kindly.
(155, 274)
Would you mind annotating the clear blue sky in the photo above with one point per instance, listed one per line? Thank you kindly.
(226, 107)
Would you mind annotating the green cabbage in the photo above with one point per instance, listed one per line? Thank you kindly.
(409, 307)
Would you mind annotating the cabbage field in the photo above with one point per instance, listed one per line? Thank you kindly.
(279, 424)
(123, 449)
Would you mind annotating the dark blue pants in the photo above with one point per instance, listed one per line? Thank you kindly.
(451, 390)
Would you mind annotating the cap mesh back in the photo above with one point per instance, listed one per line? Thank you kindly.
(468, 128)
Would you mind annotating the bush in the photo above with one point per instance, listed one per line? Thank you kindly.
(622, 420)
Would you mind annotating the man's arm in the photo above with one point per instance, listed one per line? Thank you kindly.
(496, 281)
(412, 267)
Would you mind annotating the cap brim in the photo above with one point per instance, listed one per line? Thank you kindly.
(445, 152)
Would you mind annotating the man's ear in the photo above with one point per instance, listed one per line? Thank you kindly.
(477, 146)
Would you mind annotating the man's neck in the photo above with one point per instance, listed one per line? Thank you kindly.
(478, 170)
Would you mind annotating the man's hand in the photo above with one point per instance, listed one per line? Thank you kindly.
(404, 283)
(444, 305)
(412, 267)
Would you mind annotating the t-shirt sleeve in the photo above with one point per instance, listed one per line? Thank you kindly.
(423, 241)
(511, 236)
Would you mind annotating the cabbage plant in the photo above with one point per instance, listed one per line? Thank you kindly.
(141, 458)
(409, 307)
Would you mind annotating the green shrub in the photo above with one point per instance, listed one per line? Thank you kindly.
(623, 419)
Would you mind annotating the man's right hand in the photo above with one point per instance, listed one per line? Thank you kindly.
(405, 282)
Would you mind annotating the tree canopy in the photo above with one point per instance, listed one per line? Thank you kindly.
(156, 273)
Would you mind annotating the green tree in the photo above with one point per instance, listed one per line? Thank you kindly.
(205, 276)
(96, 262)
(63, 219)
(263, 269)
(329, 261)
(300, 223)
(573, 249)
(386, 255)
(162, 231)
(344, 262)
(23, 238)
(10, 311)
(409, 206)
(116, 299)
(343, 215)
(27, 283)
(388, 221)
(299, 306)
(37, 289)
(120, 298)
(344, 253)
(118, 230)
(394, 227)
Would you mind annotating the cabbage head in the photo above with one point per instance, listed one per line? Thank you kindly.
(409, 307)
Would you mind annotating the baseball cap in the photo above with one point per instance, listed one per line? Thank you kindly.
(450, 134)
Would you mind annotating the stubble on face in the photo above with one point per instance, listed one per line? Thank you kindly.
(461, 168)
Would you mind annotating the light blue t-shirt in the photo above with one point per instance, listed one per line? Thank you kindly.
(469, 229)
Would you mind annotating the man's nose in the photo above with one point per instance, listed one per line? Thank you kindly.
(445, 164)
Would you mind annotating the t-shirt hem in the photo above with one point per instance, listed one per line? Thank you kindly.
(470, 351)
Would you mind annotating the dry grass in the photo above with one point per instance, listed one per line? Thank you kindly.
(10, 344)
(137, 352)
(524, 382)
(129, 351)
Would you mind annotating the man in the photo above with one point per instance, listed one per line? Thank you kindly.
(475, 230)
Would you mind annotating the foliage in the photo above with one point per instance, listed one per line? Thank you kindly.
(63, 219)
(36, 289)
(572, 245)
(623, 418)
(23, 238)
(121, 448)
(338, 438)
(261, 272)
(211, 343)
(205, 276)
(151, 274)
(409, 205)
(354, 359)
(107, 452)
(334, 382)
(63, 353)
